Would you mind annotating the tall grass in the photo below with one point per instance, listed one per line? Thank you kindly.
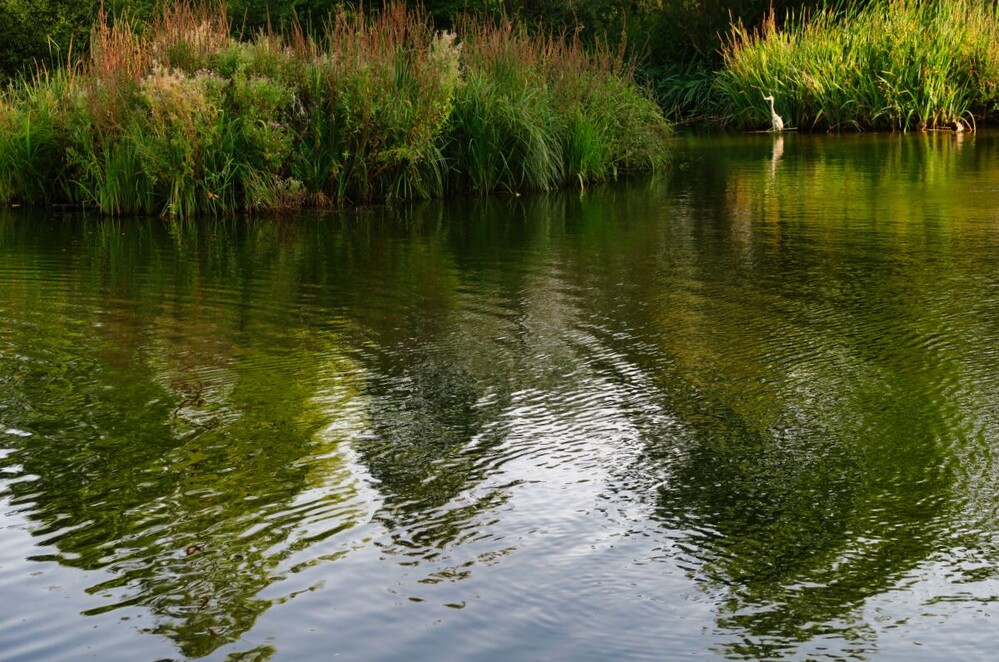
(540, 112)
(182, 119)
(889, 64)
(30, 159)
(685, 91)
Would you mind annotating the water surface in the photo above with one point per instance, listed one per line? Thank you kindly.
(746, 410)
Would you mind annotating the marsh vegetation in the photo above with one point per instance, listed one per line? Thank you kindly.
(886, 64)
(181, 118)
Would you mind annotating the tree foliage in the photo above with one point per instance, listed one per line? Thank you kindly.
(663, 32)
(40, 30)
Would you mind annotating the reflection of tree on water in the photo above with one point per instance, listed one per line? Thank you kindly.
(481, 324)
(439, 381)
(777, 399)
(164, 456)
(816, 467)
(426, 454)
(796, 529)
(218, 410)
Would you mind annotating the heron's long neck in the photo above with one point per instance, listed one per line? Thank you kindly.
(771, 100)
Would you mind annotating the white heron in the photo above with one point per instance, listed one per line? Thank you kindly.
(775, 119)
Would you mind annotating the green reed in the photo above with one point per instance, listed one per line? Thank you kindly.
(890, 64)
(32, 166)
(181, 118)
(504, 119)
(540, 112)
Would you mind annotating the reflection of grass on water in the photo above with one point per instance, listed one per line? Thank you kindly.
(181, 119)
(856, 181)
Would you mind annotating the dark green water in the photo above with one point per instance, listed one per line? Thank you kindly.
(746, 410)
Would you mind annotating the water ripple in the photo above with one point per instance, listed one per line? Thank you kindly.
(695, 419)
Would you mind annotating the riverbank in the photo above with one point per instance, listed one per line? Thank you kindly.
(888, 65)
(181, 119)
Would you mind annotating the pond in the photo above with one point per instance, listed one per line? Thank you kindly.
(747, 409)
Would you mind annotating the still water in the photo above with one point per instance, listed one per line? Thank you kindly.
(749, 409)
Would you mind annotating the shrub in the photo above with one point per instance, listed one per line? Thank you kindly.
(893, 64)
(181, 119)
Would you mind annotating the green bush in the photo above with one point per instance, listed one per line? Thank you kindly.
(32, 158)
(182, 119)
(893, 64)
